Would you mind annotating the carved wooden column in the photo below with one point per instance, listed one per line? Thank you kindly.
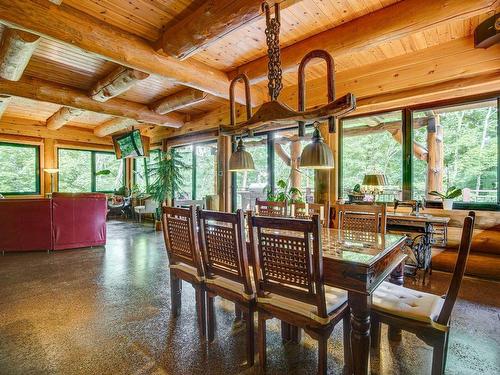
(435, 157)
(322, 177)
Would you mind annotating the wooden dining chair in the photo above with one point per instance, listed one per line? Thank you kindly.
(288, 273)
(426, 315)
(298, 211)
(360, 217)
(227, 271)
(181, 240)
(268, 208)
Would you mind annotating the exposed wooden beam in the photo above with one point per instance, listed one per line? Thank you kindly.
(57, 2)
(116, 83)
(209, 22)
(113, 126)
(70, 26)
(15, 52)
(389, 23)
(178, 100)
(62, 117)
(36, 89)
(4, 103)
(24, 127)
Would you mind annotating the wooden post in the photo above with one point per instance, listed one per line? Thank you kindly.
(295, 152)
(322, 176)
(435, 158)
(223, 175)
(49, 161)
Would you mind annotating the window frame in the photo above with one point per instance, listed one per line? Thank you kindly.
(37, 168)
(193, 163)
(146, 163)
(407, 149)
(93, 177)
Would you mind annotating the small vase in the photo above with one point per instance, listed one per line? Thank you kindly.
(448, 204)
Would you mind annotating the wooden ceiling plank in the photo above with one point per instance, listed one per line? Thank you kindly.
(65, 24)
(210, 22)
(16, 49)
(36, 89)
(116, 83)
(62, 117)
(113, 126)
(178, 100)
(392, 22)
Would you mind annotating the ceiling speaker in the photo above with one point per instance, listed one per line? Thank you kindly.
(487, 33)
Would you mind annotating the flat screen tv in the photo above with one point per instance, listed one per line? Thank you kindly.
(131, 145)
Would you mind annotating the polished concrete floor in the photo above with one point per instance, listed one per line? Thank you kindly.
(106, 311)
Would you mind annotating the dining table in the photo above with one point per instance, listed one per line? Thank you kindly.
(358, 262)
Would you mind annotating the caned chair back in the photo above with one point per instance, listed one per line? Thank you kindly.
(223, 245)
(288, 259)
(179, 230)
(458, 273)
(361, 218)
(268, 208)
(322, 210)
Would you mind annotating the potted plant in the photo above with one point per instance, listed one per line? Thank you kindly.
(448, 197)
(168, 178)
(355, 195)
(282, 194)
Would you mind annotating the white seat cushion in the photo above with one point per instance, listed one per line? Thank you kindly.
(407, 303)
(334, 299)
(188, 269)
(230, 285)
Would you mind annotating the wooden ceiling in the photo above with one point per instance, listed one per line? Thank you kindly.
(66, 63)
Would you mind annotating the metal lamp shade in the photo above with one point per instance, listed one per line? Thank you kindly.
(317, 154)
(374, 180)
(241, 160)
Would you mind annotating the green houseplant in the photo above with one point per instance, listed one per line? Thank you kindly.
(167, 177)
(283, 193)
(448, 196)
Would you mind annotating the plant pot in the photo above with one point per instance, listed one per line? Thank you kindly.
(448, 204)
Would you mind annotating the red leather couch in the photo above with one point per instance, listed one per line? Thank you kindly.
(66, 221)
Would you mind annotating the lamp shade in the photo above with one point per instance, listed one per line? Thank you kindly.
(317, 154)
(374, 180)
(51, 170)
(241, 160)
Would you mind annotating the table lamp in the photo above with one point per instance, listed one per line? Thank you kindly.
(52, 172)
(374, 183)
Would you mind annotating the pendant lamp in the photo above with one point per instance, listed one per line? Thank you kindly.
(317, 154)
(241, 160)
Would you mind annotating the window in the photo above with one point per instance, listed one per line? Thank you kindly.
(372, 145)
(143, 176)
(287, 150)
(457, 146)
(79, 171)
(247, 186)
(200, 180)
(19, 169)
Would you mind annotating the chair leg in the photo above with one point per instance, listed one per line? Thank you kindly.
(175, 294)
(210, 318)
(237, 312)
(201, 308)
(250, 336)
(262, 341)
(375, 332)
(346, 323)
(322, 354)
(439, 355)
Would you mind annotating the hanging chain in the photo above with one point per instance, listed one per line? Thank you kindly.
(274, 74)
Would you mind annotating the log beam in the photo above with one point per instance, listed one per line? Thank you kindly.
(4, 103)
(116, 83)
(389, 23)
(178, 100)
(65, 24)
(36, 89)
(62, 117)
(211, 21)
(113, 126)
(16, 50)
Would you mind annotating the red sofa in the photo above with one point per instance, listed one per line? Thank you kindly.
(66, 221)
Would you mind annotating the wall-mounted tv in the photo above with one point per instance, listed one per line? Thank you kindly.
(131, 145)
